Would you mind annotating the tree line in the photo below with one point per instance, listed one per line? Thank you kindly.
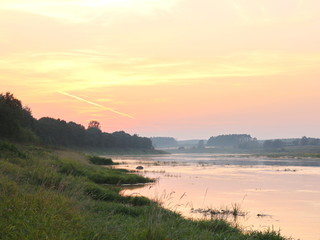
(164, 142)
(233, 140)
(18, 124)
(245, 141)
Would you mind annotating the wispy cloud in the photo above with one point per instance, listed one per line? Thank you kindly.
(96, 104)
(75, 11)
(81, 70)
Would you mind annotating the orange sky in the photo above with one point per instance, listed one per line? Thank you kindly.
(181, 68)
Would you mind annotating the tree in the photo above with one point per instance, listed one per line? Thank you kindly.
(304, 141)
(273, 144)
(10, 116)
(16, 121)
(231, 140)
(94, 124)
(201, 144)
(164, 142)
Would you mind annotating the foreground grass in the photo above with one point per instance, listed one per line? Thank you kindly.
(46, 194)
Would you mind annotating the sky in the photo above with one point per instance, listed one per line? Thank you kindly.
(179, 68)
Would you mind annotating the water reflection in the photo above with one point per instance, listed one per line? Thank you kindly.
(275, 193)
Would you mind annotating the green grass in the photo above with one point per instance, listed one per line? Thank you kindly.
(53, 194)
(101, 160)
(98, 174)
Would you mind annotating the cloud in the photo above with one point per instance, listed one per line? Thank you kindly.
(88, 69)
(81, 11)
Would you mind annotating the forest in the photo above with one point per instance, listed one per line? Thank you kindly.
(233, 140)
(18, 124)
(164, 142)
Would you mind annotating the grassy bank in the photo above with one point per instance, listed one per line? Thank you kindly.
(55, 194)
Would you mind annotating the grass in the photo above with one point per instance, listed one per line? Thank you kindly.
(54, 194)
(222, 213)
(101, 160)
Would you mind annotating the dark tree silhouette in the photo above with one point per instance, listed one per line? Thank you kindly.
(94, 124)
(231, 140)
(14, 119)
(17, 123)
(273, 144)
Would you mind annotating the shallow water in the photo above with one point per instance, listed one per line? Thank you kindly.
(280, 194)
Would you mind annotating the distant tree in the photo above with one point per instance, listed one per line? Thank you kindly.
(77, 134)
(314, 141)
(249, 144)
(164, 142)
(267, 145)
(94, 137)
(278, 143)
(201, 144)
(94, 124)
(231, 140)
(304, 141)
(273, 144)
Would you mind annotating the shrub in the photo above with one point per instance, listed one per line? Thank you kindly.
(10, 150)
(101, 160)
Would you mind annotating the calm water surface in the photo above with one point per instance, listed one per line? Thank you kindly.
(285, 191)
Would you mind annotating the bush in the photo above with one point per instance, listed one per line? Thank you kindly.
(101, 160)
(10, 150)
(98, 192)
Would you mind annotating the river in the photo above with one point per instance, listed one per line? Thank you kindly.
(269, 193)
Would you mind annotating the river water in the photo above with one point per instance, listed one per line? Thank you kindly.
(280, 194)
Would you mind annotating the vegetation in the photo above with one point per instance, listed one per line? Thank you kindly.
(58, 194)
(16, 121)
(18, 124)
(293, 151)
(164, 142)
(270, 145)
(101, 160)
(60, 133)
(245, 144)
(50, 193)
(244, 141)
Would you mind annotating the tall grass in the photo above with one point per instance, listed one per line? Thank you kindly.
(44, 196)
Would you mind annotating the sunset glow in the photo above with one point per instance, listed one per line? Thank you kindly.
(180, 68)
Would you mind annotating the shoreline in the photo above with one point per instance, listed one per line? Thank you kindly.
(61, 195)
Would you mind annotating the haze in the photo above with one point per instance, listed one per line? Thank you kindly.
(182, 68)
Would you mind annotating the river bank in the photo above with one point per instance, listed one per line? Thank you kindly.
(59, 194)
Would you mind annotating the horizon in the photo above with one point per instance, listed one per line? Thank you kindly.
(179, 68)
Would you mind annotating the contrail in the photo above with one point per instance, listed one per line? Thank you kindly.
(96, 104)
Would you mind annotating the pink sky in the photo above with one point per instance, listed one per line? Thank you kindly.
(180, 68)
